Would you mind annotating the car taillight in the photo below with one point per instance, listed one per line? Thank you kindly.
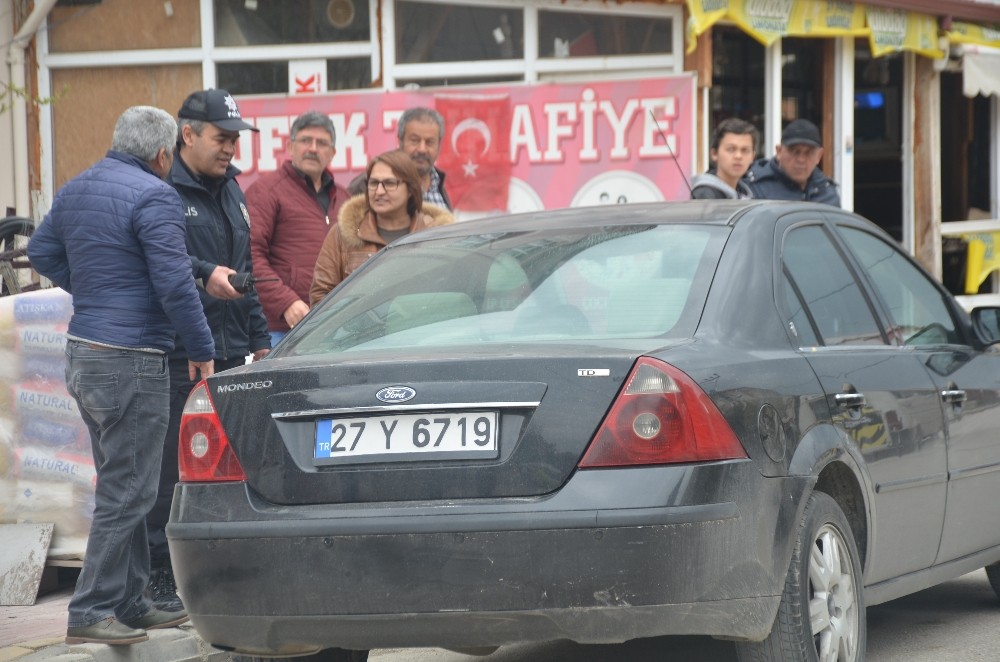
(203, 451)
(661, 417)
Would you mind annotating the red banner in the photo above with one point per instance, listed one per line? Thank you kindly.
(565, 145)
(476, 150)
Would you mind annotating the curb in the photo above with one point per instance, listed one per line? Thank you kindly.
(178, 644)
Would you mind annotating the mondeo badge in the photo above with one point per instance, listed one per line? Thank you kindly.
(396, 394)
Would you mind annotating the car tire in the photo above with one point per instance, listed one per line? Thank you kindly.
(993, 574)
(329, 655)
(824, 584)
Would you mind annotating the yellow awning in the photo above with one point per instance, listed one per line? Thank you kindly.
(970, 33)
(768, 21)
(894, 30)
(890, 30)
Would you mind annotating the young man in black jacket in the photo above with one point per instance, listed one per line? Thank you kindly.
(734, 143)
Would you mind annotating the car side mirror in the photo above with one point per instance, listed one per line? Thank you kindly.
(986, 323)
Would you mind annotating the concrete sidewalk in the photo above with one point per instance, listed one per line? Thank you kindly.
(37, 632)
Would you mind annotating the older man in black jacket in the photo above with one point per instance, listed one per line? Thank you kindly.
(793, 172)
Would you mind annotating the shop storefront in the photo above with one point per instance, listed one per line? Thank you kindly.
(905, 93)
(909, 116)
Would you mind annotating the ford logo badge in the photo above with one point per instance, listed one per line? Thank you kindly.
(396, 394)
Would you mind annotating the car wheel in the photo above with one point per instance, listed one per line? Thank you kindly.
(329, 655)
(993, 574)
(822, 612)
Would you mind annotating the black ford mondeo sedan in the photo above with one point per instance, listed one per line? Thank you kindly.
(747, 420)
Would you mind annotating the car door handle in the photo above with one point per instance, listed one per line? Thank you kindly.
(850, 400)
(953, 395)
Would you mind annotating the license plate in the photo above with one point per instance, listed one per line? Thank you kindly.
(407, 437)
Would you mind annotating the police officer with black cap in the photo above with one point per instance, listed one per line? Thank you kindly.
(793, 172)
(217, 230)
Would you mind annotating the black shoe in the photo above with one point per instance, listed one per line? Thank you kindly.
(108, 631)
(163, 590)
(156, 619)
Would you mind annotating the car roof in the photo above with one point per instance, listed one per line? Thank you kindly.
(711, 212)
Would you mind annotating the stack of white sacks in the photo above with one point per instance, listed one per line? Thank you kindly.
(46, 466)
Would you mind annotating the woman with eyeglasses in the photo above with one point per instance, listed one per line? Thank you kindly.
(391, 207)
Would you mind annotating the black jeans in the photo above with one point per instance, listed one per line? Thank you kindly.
(156, 521)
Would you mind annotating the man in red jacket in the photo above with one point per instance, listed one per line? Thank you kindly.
(291, 210)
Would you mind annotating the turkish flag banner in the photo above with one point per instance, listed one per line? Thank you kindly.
(571, 144)
(475, 154)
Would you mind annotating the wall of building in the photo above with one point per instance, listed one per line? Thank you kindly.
(87, 101)
(98, 59)
(6, 129)
(92, 100)
(103, 57)
(115, 25)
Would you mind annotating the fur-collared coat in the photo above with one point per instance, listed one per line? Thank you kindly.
(356, 239)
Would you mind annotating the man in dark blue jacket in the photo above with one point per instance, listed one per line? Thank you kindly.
(793, 172)
(218, 243)
(114, 240)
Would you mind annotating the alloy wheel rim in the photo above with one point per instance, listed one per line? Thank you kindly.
(833, 607)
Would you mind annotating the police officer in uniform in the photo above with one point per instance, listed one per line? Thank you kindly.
(217, 230)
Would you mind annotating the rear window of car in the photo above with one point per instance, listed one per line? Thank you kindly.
(538, 286)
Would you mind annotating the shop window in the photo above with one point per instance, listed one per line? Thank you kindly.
(272, 77)
(582, 34)
(259, 22)
(737, 79)
(878, 126)
(427, 32)
(802, 84)
(443, 82)
(966, 130)
(121, 25)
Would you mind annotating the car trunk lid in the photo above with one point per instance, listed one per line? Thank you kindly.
(542, 408)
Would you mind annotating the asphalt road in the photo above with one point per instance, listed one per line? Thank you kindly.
(955, 621)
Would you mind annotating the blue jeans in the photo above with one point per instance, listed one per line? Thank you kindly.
(124, 399)
(276, 337)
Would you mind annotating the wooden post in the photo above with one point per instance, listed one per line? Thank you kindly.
(927, 166)
(700, 61)
(828, 105)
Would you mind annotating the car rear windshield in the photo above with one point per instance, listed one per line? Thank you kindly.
(544, 285)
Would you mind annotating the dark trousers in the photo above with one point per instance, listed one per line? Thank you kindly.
(156, 521)
(122, 396)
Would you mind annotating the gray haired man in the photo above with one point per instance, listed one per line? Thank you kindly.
(793, 173)
(292, 210)
(420, 132)
(114, 239)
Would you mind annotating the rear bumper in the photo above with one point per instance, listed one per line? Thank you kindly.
(615, 555)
